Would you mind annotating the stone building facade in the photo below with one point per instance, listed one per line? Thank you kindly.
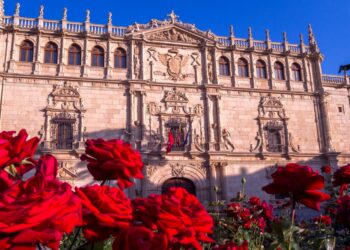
(234, 106)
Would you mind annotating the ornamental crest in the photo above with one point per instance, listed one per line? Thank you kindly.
(174, 62)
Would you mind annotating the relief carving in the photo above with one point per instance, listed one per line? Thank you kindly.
(172, 35)
(226, 137)
(174, 62)
(177, 170)
(137, 67)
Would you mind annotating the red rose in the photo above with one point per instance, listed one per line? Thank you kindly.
(255, 201)
(177, 213)
(323, 219)
(232, 246)
(326, 169)
(38, 211)
(113, 160)
(15, 156)
(140, 238)
(342, 176)
(105, 211)
(299, 182)
(343, 211)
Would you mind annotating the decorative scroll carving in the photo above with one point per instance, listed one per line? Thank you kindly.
(67, 172)
(174, 62)
(151, 170)
(294, 148)
(177, 170)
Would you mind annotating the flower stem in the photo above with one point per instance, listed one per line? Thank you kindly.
(292, 226)
(39, 247)
(75, 238)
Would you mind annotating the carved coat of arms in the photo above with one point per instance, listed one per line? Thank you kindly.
(174, 63)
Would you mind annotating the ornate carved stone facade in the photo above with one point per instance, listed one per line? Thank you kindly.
(235, 106)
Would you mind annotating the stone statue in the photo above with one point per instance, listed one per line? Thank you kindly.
(226, 136)
(41, 11)
(64, 14)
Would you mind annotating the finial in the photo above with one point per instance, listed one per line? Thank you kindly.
(301, 39)
(109, 18)
(311, 35)
(17, 9)
(250, 34)
(64, 17)
(87, 18)
(232, 33)
(285, 37)
(267, 34)
(41, 11)
(173, 17)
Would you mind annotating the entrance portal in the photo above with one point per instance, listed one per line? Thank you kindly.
(179, 182)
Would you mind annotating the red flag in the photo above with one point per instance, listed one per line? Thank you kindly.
(170, 142)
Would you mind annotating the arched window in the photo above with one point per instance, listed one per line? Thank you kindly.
(261, 69)
(120, 58)
(179, 182)
(224, 66)
(26, 51)
(279, 71)
(74, 55)
(97, 57)
(243, 68)
(51, 52)
(296, 72)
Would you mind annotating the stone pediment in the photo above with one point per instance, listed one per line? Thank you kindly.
(180, 32)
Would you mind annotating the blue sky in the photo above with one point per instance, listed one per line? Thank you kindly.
(330, 18)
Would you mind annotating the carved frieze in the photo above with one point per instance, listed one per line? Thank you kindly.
(173, 35)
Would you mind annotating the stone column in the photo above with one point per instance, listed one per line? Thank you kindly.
(62, 57)
(251, 64)
(233, 68)
(213, 182)
(288, 76)
(11, 64)
(215, 69)
(37, 53)
(131, 59)
(85, 57)
(270, 72)
(109, 60)
(204, 54)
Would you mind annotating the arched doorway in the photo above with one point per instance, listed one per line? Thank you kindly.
(179, 182)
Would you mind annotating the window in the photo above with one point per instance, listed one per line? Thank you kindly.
(63, 134)
(97, 57)
(296, 72)
(279, 71)
(261, 69)
(74, 55)
(179, 135)
(120, 58)
(224, 66)
(243, 68)
(51, 52)
(26, 51)
(274, 141)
